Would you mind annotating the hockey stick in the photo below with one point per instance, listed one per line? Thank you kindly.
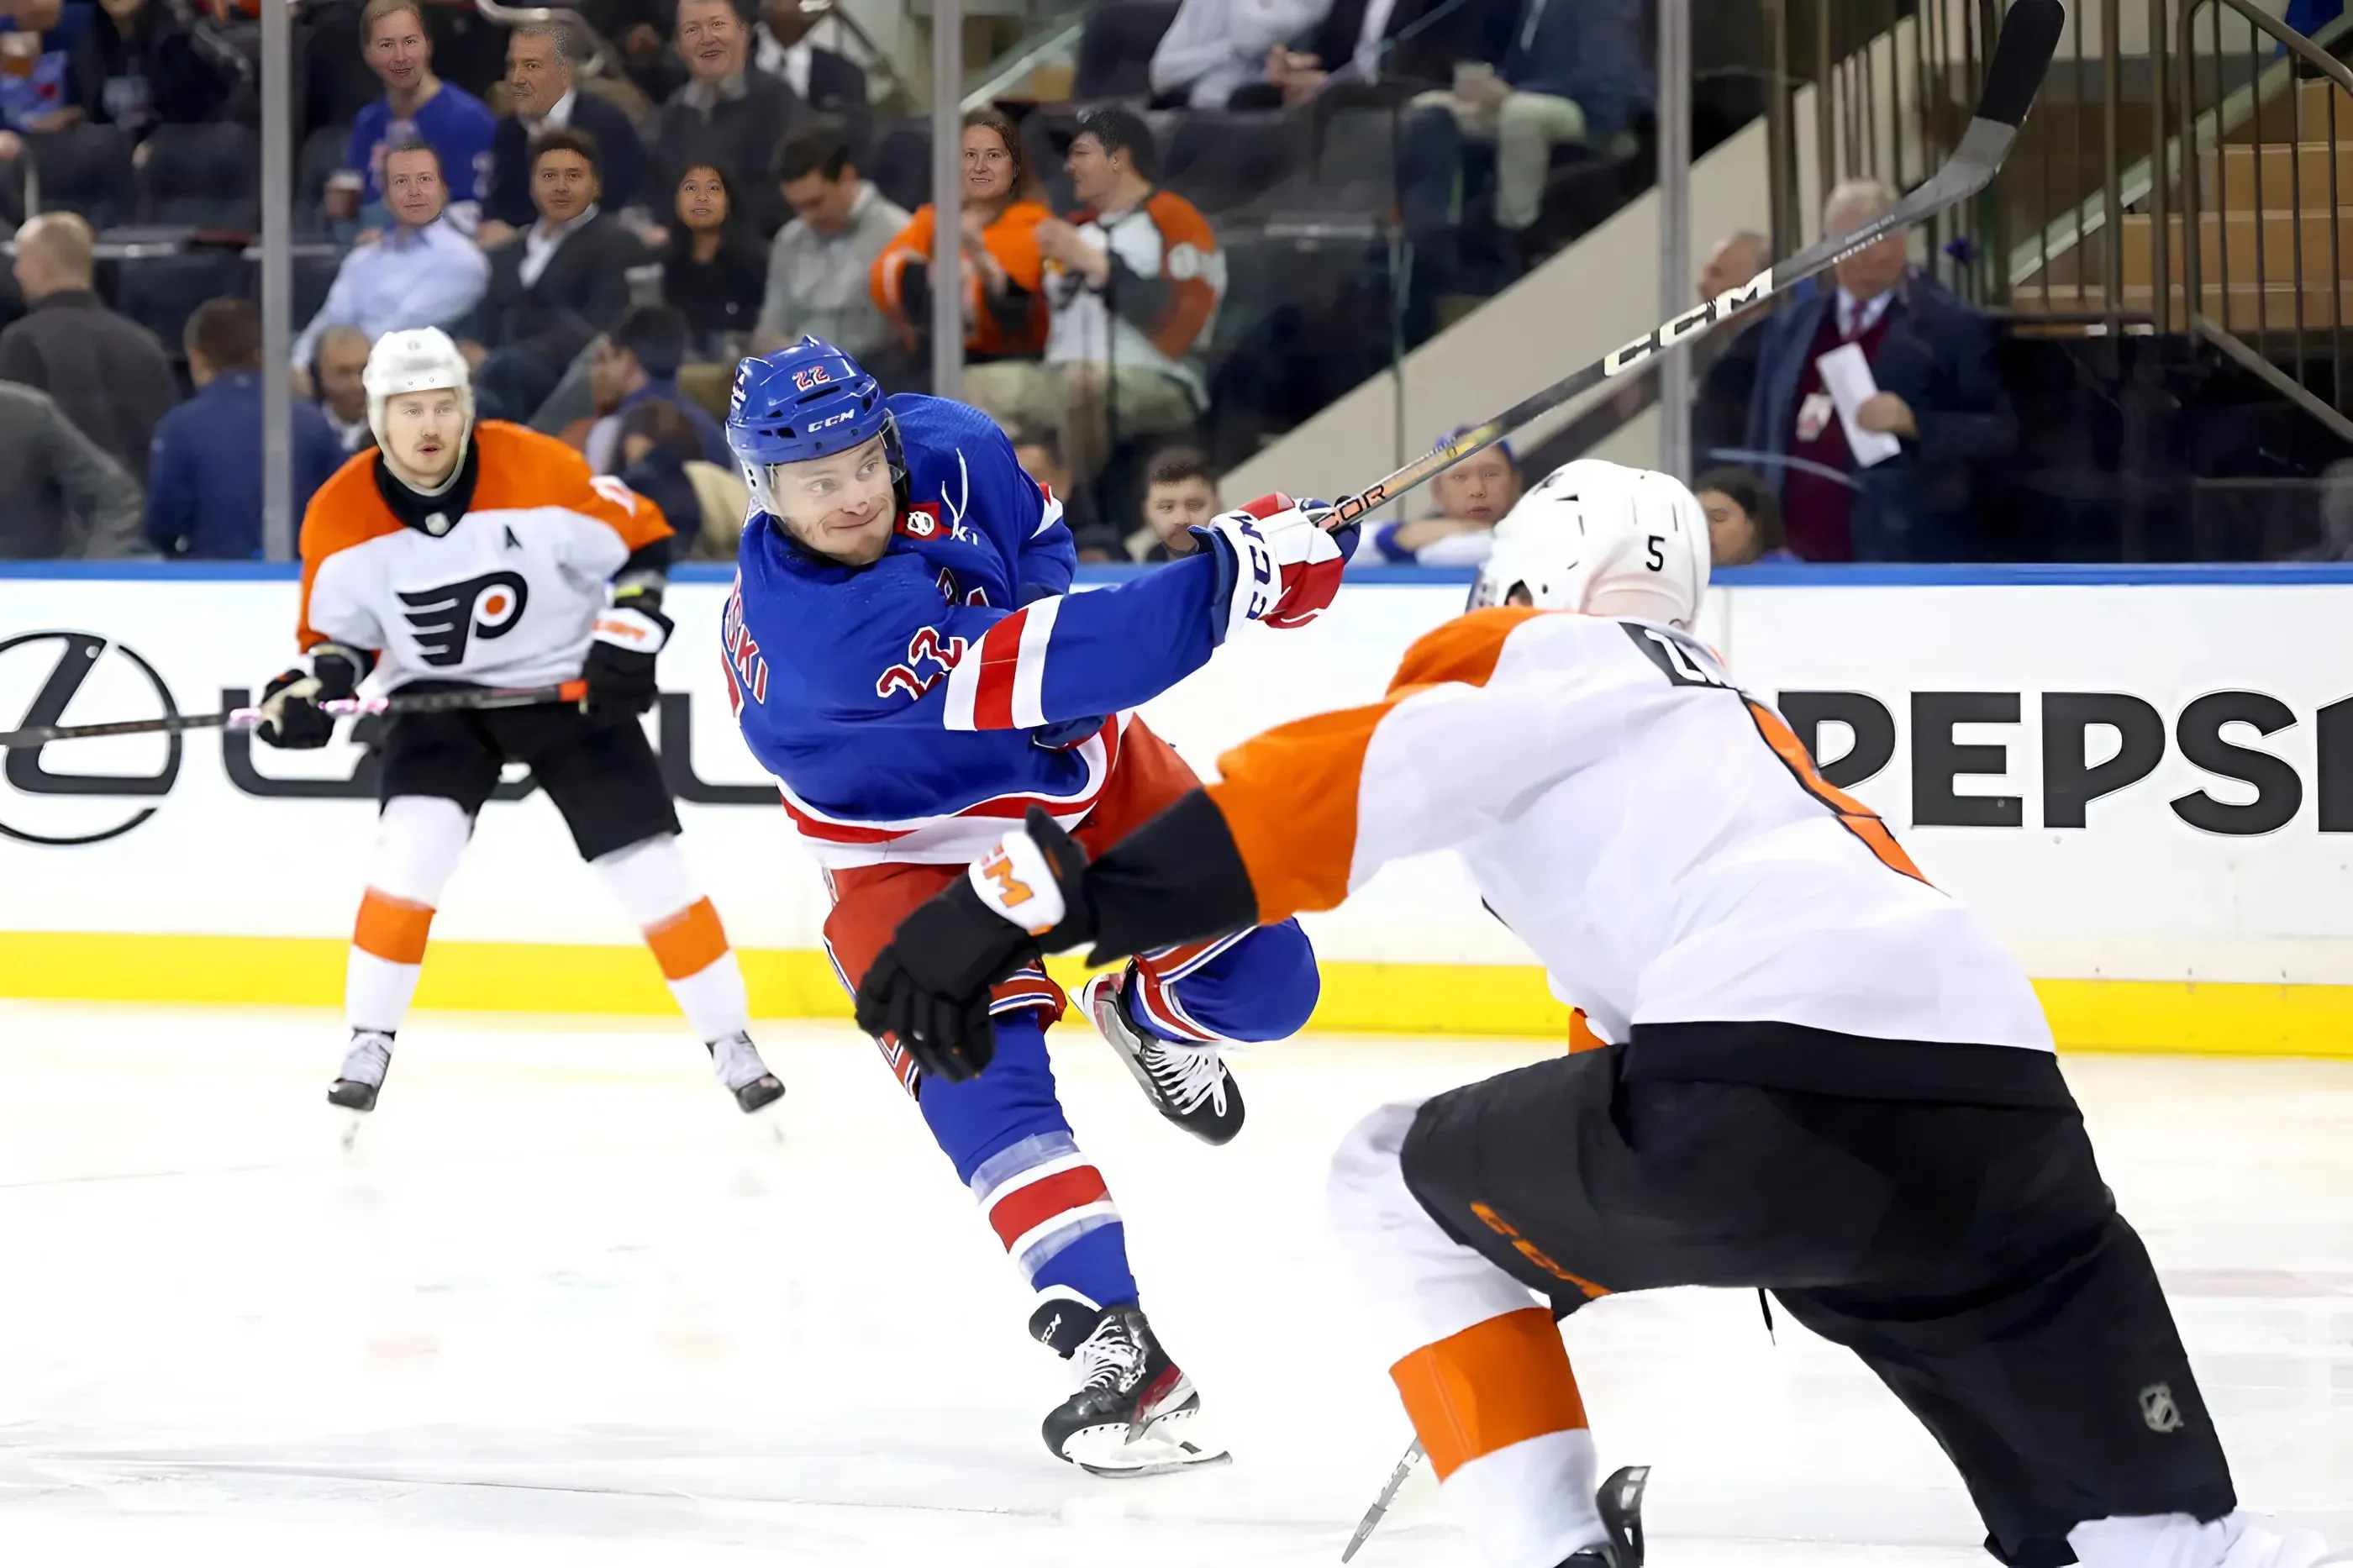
(338, 708)
(2029, 34)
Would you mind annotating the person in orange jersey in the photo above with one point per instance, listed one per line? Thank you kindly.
(462, 555)
(1828, 1080)
(1004, 313)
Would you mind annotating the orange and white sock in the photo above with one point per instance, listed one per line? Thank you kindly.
(652, 881)
(418, 841)
(1481, 1369)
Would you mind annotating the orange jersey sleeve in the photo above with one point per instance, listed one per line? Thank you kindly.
(344, 511)
(1291, 796)
(912, 242)
(1194, 268)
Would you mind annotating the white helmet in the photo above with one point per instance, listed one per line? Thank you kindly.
(1605, 540)
(421, 359)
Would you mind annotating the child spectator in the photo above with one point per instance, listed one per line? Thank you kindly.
(1180, 494)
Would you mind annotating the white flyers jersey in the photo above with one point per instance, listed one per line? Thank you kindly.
(1658, 836)
(508, 596)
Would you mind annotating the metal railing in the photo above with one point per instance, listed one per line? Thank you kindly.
(2249, 336)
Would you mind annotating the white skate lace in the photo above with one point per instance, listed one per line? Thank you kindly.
(367, 1061)
(737, 1060)
(1186, 1075)
(1110, 1357)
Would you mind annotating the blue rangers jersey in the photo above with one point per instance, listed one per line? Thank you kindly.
(910, 708)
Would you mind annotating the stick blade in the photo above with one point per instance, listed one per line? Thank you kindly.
(2021, 54)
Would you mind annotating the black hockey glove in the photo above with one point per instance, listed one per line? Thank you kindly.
(619, 669)
(291, 715)
(929, 987)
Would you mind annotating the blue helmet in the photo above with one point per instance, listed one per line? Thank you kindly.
(810, 400)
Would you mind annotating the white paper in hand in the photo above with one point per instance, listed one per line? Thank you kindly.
(1846, 376)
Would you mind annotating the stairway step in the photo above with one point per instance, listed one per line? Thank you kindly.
(2248, 246)
(2291, 173)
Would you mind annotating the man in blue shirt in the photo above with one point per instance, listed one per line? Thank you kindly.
(416, 105)
(203, 496)
(422, 273)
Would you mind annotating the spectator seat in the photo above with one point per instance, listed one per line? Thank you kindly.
(1116, 48)
(161, 292)
(84, 169)
(321, 155)
(900, 163)
(1221, 160)
(203, 176)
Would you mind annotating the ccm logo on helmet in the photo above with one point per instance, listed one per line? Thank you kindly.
(831, 419)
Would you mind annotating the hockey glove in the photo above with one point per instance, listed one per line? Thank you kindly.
(291, 715)
(929, 987)
(619, 669)
(1275, 564)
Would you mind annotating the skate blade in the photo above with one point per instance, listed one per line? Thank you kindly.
(1115, 1452)
(353, 1122)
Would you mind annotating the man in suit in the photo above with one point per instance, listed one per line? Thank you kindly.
(1939, 393)
(543, 92)
(730, 113)
(828, 81)
(109, 373)
(554, 287)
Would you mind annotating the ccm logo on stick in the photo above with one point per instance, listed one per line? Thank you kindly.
(1698, 319)
(2211, 734)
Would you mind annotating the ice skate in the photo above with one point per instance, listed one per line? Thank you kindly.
(1134, 1412)
(361, 1077)
(1188, 1084)
(1619, 1501)
(744, 1074)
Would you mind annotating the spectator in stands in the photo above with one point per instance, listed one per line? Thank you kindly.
(553, 287)
(37, 43)
(1215, 47)
(662, 460)
(110, 374)
(421, 273)
(1180, 494)
(1727, 358)
(1004, 310)
(337, 374)
(1039, 453)
(636, 362)
(730, 111)
(1471, 498)
(716, 268)
(543, 93)
(828, 81)
(1371, 44)
(203, 502)
(1572, 72)
(1939, 393)
(1133, 283)
(137, 68)
(416, 106)
(1744, 520)
(821, 269)
(61, 498)
(641, 30)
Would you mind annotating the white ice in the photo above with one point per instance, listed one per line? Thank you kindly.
(562, 1303)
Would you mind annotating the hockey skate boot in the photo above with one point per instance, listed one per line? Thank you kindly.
(744, 1074)
(1188, 1084)
(362, 1074)
(1619, 1501)
(1134, 1412)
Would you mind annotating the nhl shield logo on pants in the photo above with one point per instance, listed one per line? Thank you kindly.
(2158, 1408)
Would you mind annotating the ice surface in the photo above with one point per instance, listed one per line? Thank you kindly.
(562, 1303)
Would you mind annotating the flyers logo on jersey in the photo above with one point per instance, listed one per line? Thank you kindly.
(444, 620)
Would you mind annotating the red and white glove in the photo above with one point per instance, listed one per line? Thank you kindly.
(1284, 569)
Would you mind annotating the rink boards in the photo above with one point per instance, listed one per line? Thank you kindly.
(2143, 781)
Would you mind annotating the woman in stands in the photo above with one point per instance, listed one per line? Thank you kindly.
(1004, 314)
(715, 266)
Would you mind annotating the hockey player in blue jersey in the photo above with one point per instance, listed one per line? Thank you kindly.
(908, 661)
